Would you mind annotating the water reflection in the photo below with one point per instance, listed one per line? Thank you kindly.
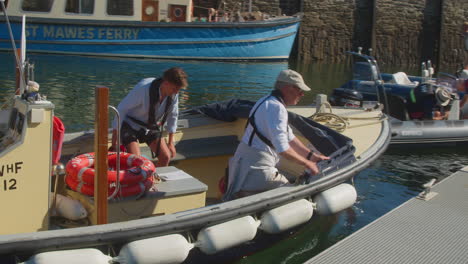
(69, 81)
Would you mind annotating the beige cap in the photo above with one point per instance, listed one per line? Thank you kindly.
(292, 77)
(442, 96)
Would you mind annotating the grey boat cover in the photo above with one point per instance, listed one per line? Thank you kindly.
(338, 147)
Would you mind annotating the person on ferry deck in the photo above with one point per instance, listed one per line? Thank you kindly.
(268, 136)
(145, 110)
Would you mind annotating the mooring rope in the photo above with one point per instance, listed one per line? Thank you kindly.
(341, 123)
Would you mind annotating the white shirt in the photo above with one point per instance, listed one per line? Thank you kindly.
(271, 120)
(464, 74)
(136, 105)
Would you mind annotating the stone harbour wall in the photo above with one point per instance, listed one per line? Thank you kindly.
(398, 28)
(400, 32)
(327, 29)
(455, 13)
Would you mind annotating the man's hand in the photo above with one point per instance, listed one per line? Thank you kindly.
(312, 167)
(316, 157)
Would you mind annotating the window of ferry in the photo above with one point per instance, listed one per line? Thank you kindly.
(120, 7)
(80, 6)
(37, 5)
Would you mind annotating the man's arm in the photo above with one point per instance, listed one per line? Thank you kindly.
(304, 151)
(299, 147)
(171, 145)
(292, 155)
(172, 125)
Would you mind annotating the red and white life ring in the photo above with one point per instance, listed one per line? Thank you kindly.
(125, 190)
(135, 173)
(133, 168)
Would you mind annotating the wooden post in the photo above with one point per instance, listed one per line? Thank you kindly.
(100, 148)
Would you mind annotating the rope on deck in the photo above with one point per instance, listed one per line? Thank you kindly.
(341, 123)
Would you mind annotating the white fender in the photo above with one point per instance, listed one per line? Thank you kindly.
(69, 208)
(287, 216)
(163, 250)
(222, 236)
(75, 256)
(335, 199)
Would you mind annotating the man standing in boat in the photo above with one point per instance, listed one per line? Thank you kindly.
(268, 136)
(145, 110)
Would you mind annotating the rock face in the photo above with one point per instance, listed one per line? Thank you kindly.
(400, 32)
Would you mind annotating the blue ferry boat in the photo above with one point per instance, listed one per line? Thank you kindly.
(149, 29)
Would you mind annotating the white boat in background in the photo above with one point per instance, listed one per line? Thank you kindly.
(46, 221)
(147, 29)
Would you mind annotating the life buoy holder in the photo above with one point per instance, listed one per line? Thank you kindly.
(136, 189)
(133, 168)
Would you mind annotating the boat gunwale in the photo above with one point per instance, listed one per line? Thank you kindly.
(155, 42)
(185, 221)
(153, 24)
(140, 56)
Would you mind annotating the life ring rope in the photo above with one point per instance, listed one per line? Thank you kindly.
(135, 175)
(137, 189)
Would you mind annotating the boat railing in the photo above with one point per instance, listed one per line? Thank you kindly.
(376, 76)
(117, 166)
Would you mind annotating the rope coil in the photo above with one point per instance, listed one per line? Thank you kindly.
(340, 123)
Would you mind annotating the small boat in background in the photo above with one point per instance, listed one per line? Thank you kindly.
(366, 74)
(148, 29)
(412, 103)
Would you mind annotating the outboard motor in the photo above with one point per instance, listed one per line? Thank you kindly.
(346, 98)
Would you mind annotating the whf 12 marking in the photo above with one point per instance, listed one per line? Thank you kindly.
(9, 169)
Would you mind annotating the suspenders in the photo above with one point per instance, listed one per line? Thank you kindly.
(151, 126)
(255, 131)
(154, 97)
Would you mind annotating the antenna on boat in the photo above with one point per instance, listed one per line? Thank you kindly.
(19, 61)
(430, 69)
(424, 72)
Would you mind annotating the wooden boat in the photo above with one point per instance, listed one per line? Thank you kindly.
(186, 204)
(182, 211)
(409, 123)
(146, 29)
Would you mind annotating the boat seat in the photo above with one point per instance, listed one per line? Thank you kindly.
(178, 191)
(201, 147)
(402, 78)
(206, 147)
(176, 182)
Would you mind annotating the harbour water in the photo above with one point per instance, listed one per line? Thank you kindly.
(69, 82)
